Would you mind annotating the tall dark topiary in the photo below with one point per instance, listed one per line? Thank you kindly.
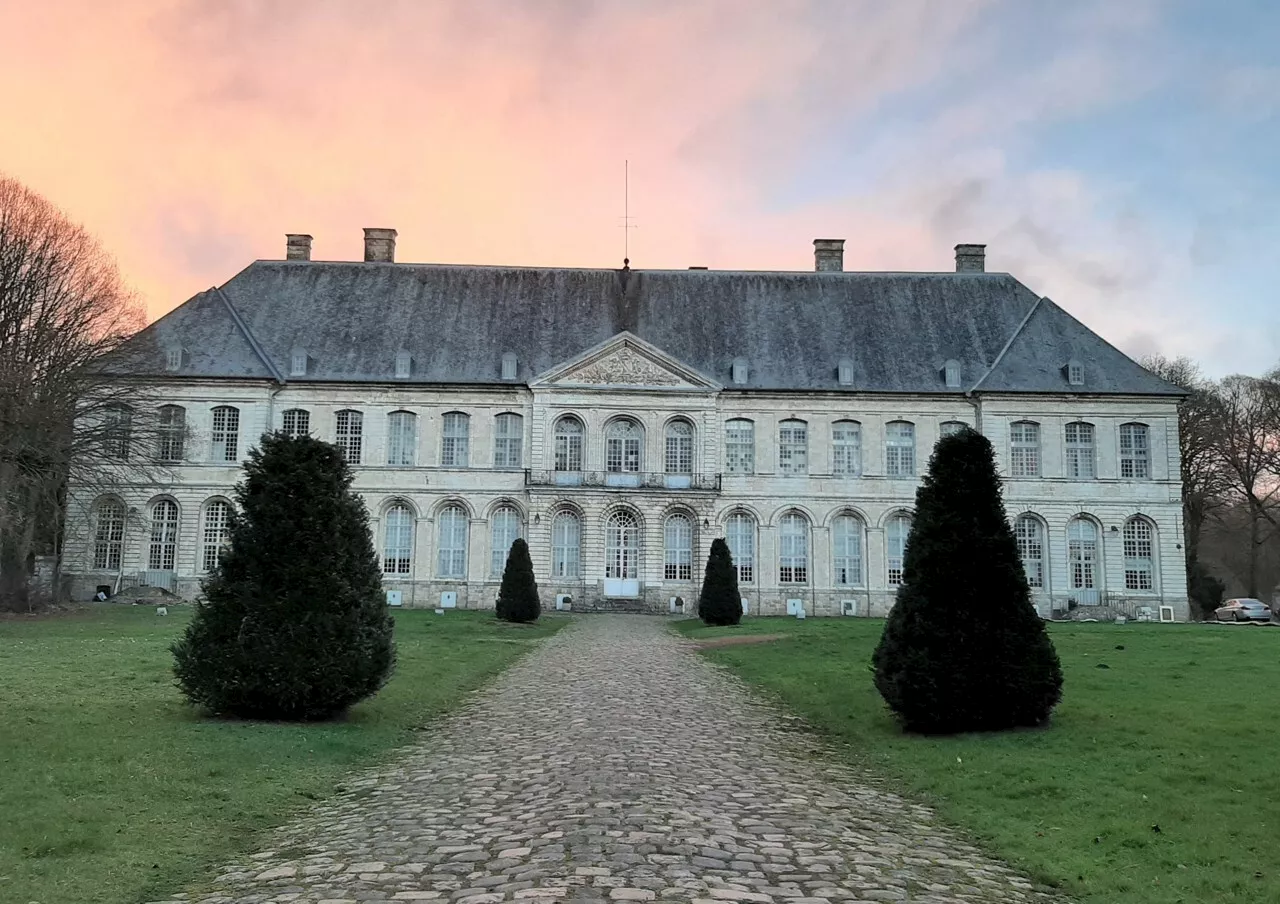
(963, 648)
(294, 624)
(720, 603)
(518, 596)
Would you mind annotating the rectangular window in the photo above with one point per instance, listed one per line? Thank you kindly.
(508, 440)
(1080, 450)
(296, 422)
(1024, 449)
(402, 438)
(793, 448)
(740, 535)
(349, 436)
(172, 432)
(846, 448)
(398, 552)
(455, 440)
(226, 434)
(740, 447)
(1135, 459)
(900, 449)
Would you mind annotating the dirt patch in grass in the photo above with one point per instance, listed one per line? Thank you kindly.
(736, 640)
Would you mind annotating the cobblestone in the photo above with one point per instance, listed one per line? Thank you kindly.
(615, 765)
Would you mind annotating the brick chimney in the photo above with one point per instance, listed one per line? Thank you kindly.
(971, 258)
(297, 247)
(828, 255)
(380, 245)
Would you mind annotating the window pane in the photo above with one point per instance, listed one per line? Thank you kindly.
(740, 535)
(402, 438)
(1030, 538)
(897, 531)
(1138, 564)
(217, 520)
(164, 536)
(793, 448)
(1134, 458)
(397, 554)
(793, 549)
(678, 561)
(900, 449)
(566, 544)
(226, 434)
(679, 459)
(108, 545)
(350, 435)
(455, 440)
(172, 433)
(117, 431)
(296, 422)
(740, 447)
(508, 441)
(622, 546)
(622, 447)
(846, 540)
(1024, 449)
(504, 529)
(846, 448)
(452, 543)
(1080, 450)
(1082, 554)
(568, 444)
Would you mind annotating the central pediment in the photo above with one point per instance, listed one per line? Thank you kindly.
(627, 362)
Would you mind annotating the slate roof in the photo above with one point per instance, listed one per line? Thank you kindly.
(793, 328)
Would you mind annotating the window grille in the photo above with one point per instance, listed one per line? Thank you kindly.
(678, 559)
(1024, 449)
(402, 438)
(1082, 553)
(1080, 449)
(679, 458)
(900, 449)
(568, 444)
(455, 440)
(1030, 536)
(164, 536)
(108, 540)
(566, 545)
(508, 441)
(793, 549)
(739, 446)
(504, 528)
(397, 552)
(1139, 568)
(349, 435)
(1134, 452)
(740, 535)
(117, 431)
(226, 434)
(622, 546)
(452, 542)
(896, 534)
(846, 448)
(171, 432)
(793, 447)
(623, 446)
(846, 540)
(217, 525)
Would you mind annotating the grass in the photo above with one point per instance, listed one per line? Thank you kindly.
(113, 790)
(1156, 781)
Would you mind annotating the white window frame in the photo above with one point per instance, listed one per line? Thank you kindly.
(108, 535)
(624, 446)
(171, 423)
(793, 447)
(452, 532)
(1135, 451)
(566, 545)
(397, 535)
(1139, 555)
(793, 549)
(897, 531)
(679, 447)
(900, 449)
(569, 438)
(1082, 554)
(846, 448)
(740, 446)
(162, 552)
(1029, 532)
(1024, 449)
(1081, 447)
(508, 441)
(402, 438)
(295, 422)
(348, 434)
(455, 440)
(677, 561)
(215, 531)
(622, 546)
(504, 529)
(224, 441)
(847, 540)
(740, 535)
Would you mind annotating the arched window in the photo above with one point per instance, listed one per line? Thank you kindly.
(117, 431)
(900, 449)
(1082, 558)
(740, 535)
(793, 549)
(793, 447)
(455, 440)
(847, 532)
(678, 555)
(846, 448)
(349, 435)
(1135, 453)
(568, 444)
(164, 536)
(217, 530)
(508, 441)
(1139, 571)
(896, 534)
(679, 457)
(566, 545)
(296, 422)
(739, 446)
(622, 546)
(1080, 449)
(1030, 535)
(1024, 449)
(402, 438)
(171, 432)
(225, 438)
(451, 540)
(397, 549)
(950, 428)
(504, 528)
(624, 441)
(108, 535)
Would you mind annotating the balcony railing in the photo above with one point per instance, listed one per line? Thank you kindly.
(641, 480)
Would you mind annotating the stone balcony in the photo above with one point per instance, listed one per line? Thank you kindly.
(624, 480)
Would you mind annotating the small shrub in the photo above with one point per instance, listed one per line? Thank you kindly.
(294, 624)
(518, 599)
(720, 603)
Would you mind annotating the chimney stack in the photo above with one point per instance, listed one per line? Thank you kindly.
(828, 255)
(297, 247)
(971, 258)
(380, 245)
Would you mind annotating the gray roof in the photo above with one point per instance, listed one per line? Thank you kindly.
(792, 328)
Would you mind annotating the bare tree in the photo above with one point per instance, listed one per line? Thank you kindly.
(66, 415)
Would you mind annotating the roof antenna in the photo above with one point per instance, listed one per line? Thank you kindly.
(627, 225)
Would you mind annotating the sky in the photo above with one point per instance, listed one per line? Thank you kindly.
(1118, 157)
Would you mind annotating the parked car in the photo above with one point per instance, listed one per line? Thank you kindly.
(1243, 610)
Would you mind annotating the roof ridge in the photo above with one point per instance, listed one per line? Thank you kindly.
(1004, 351)
(249, 337)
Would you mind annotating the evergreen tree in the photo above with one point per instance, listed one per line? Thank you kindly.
(963, 648)
(720, 603)
(294, 624)
(518, 596)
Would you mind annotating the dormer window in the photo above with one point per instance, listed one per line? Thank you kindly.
(844, 372)
(509, 366)
(1075, 372)
(298, 362)
(173, 358)
(951, 373)
(404, 365)
(740, 370)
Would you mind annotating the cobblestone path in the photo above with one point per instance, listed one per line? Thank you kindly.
(614, 764)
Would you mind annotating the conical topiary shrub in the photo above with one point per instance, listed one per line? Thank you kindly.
(294, 623)
(963, 648)
(720, 602)
(518, 596)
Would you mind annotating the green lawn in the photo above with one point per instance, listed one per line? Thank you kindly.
(1155, 782)
(113, 791)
